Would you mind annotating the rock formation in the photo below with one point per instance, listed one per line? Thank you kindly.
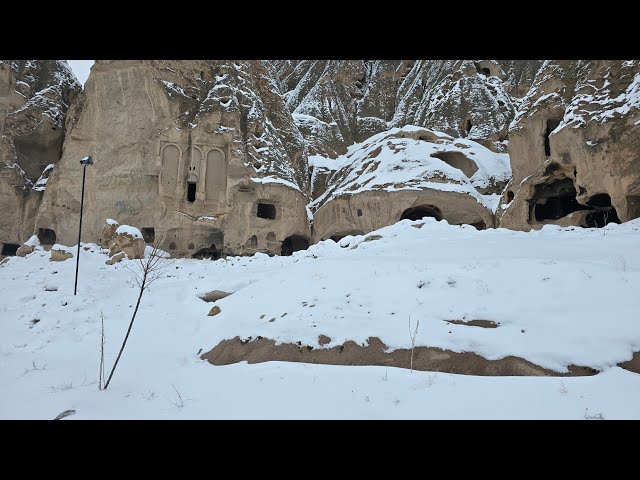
(336, 103)
(201, 153)
(211, 158)
(34, 99)
(408, 173)
(575, 147)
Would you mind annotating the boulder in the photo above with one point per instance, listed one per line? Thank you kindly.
(129, 240)
(214, 295)
(117, 258)
(60, 253)
(108, 231)
(25, 250)
(215, 310)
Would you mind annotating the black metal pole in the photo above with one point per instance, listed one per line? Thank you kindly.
(84, 172)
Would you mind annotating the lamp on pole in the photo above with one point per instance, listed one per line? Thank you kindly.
(84, 161)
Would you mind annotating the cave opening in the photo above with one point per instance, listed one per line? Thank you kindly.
(552, 124)
(468, 125)
(480, 225)
(510, 196)
(417, 213)
(485, 71)
(191, 192)
(294, 243)
(10, 249)
(210, 253)
(602, 217)
(555, 200)
(600, 200)
(46, 236)
(149, 234)
(266, 210)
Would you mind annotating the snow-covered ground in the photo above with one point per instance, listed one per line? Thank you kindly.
(561, 296)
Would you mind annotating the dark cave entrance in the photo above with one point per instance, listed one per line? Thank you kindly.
(210, 253)
(10, 249)
(600, 218)
(479, 225)
(417, 213)
(467, 126)
(552, 124)
(294, 243)
(191, 191)
(336, 237)
(485, 71)
(46, 236)
(149, 235)
(604, 212)
(266, 210)
(555, 200)
(510, 196)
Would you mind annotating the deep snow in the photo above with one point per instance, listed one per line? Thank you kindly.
(561, 296)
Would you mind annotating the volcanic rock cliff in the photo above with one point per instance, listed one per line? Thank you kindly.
(34, 98)
(240, 157)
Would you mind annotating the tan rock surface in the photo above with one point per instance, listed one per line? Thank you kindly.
(187, 150)
(117, 258)
(574, 147)
(130, 243)
(25, 250)
(60, 254)
(34, 98)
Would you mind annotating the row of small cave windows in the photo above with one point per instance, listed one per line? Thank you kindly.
(290, 244)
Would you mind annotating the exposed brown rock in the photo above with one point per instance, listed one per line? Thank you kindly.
(34, 98)
(60, 255)
(475, 323)
(632, 365)
(125, 242)
(191, 149)
(108, 231)
(375, 353)
(25, 250)
(214, 295)
(117, 258)
(215, 310)
(574, 147)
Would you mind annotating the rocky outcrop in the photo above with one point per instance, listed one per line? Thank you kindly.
(34, 99)
(408, 173)
(129, 240)
(210, 157)
(336, 103)
(203, 154)
(574, 147)
(60, 253)
(28, 247)
(117, 258)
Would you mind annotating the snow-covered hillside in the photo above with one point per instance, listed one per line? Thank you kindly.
(393, 160)
(558, 297)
